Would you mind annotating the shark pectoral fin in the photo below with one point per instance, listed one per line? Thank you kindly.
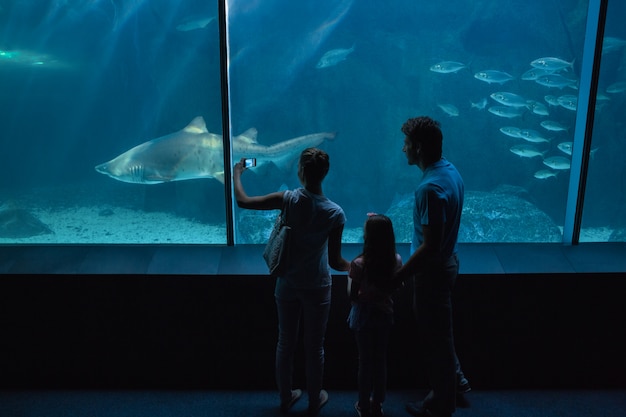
(197, 126)
(219, 176)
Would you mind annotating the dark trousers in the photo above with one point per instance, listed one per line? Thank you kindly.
(372, 341)
(433, 311)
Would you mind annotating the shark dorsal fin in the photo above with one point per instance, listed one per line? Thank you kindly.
(197, 126)
(249, 136)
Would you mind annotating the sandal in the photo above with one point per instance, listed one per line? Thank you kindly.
(295, 396)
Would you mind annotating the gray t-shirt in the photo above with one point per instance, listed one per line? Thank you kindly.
(311, 217)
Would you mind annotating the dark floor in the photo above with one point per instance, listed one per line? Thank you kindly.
(549, 403)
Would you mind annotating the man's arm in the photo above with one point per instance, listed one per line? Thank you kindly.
(429, 249)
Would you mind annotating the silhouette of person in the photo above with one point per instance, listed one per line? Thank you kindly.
(371, 316)
(303, 293)
(434, 264)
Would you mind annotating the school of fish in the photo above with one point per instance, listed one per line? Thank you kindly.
(557, 76)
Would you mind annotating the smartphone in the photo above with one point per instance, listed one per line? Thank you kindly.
(250, 162)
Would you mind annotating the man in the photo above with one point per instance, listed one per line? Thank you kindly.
(434, 263)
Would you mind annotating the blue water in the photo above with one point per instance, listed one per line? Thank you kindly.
(88, 80)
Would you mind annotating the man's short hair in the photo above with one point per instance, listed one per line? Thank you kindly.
(427, 132)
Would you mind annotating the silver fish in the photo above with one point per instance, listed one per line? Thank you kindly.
(447, 67)
(526, 151)
(193, 152)
(553, 126)
(333, 57)
(450, 109)
(493, 76)
(534, 73)
(538, 108)
(532, 136)
(194, 23)
(480, 105)
(556, 81)
(618, 87)
(509, 99)
(568, 101)
(543, 174)
(552, 64)
(611, 44)
(565, 147)
(551, 100)
(504, 111)
(510, 131)
(557, 162)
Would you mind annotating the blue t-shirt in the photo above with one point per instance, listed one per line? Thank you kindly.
(311, 217)
(439, 199)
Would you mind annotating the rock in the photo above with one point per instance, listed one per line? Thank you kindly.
(487, 217)
(19, 223)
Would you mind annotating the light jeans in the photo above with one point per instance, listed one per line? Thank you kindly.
(312, 307)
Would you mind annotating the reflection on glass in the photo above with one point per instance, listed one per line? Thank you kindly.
(502, 79)
(85, 81)
(604, 213)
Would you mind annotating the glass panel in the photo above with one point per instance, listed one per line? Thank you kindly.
(85, 81)
(604, 214)
(354, 68)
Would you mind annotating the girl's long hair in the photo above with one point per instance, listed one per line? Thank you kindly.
(379, 251)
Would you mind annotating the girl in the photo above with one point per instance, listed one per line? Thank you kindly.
(370, 284)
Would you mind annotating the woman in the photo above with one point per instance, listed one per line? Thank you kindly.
(304, 290)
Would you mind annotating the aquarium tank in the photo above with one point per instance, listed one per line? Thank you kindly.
(122, 119)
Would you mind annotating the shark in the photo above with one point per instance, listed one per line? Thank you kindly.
(194, 152)
(22, 58)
